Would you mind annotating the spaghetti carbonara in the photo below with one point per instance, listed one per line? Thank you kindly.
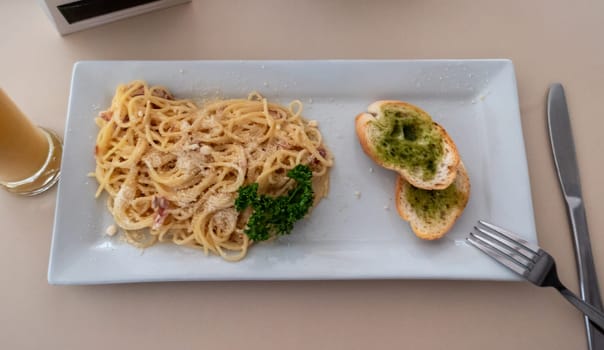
(172, 168)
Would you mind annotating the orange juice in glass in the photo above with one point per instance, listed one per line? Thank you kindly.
(30, 156)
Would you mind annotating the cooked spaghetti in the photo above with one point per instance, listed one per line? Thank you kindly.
(172, 168)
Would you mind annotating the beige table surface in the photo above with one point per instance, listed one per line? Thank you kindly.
(547, 40)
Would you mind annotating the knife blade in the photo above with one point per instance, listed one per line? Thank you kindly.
(563, 148)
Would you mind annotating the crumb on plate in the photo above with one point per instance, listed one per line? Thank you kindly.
(111, 230)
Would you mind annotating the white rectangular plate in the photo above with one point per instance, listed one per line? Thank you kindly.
(345, 237)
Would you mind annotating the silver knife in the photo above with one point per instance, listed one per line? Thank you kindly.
(563, 147)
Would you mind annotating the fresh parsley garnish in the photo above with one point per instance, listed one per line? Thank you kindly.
(273, 216)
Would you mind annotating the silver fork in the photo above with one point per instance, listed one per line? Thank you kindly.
(527, 260)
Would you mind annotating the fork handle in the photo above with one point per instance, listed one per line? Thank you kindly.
(596, 316)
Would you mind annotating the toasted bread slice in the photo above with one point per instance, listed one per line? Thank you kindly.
(432, 213)
(411, 130)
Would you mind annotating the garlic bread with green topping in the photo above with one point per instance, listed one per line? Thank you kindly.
(404, 138)
(432, 213)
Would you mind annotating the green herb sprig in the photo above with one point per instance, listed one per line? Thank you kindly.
(274, 216)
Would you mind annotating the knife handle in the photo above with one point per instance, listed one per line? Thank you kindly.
(588, 280)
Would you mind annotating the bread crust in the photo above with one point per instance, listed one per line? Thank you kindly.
(444, 177)
(425, 230)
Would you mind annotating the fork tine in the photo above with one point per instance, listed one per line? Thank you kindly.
(510, 236)
(497, 255)
(514, 249)
(505, 250)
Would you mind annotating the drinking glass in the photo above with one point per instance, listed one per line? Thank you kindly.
(30, 156)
